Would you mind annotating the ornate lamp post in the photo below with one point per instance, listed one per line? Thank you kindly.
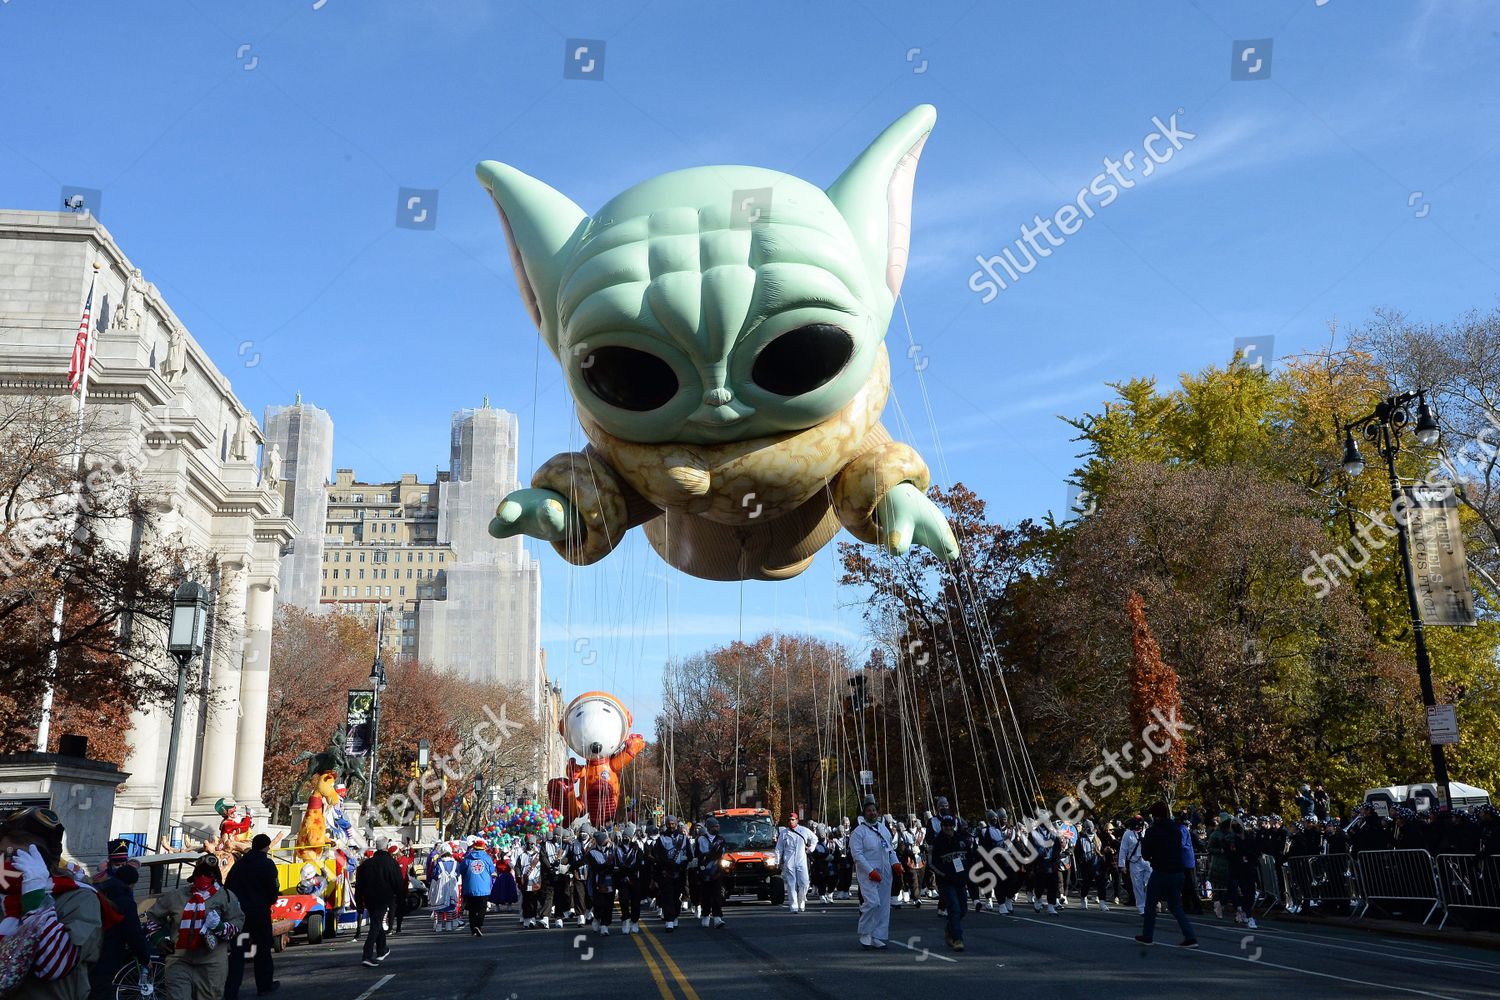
(1382, 429)
(377, 685)
(424, 754)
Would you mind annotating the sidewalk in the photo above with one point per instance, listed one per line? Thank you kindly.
(1396, 928)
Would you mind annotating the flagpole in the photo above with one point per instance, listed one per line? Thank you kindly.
(75, 459)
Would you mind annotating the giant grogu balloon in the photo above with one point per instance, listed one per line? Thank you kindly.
(722, 333)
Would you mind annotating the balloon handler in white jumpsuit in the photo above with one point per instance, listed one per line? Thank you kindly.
(1136, 868)
(792, 844)
(876, 868)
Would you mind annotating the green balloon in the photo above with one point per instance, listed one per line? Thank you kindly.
(721, 306)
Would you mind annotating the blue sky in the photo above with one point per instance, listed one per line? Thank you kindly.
(250, 156)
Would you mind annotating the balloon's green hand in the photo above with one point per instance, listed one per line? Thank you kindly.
(538, 513)
(905, 515)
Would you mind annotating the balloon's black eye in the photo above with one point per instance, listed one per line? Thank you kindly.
(629, 379)
(802, 360)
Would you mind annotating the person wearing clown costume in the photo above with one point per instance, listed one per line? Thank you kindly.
(53, 924)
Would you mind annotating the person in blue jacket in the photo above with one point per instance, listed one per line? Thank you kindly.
(479, 881)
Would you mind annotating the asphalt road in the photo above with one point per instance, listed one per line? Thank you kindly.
(766, 952)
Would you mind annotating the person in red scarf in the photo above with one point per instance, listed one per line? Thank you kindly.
(197, 925)
(56, 920)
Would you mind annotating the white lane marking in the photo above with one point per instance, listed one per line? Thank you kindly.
(1247, 961)
(1448, 955)
(928, 952)
(1452, 955)
(378, 983)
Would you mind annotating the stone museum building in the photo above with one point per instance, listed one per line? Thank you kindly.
(213, 484)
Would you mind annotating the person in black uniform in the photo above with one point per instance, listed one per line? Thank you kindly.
(578, 883)
(708, 850)
(670, 855)
(556, 875)
(630, 870)
(603, 880)
(843, 864)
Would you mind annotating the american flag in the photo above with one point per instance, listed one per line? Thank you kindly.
(83, 344)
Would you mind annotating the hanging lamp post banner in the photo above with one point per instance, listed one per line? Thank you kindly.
(1439, 570)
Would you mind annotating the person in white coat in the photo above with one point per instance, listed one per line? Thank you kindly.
(1135, 867)
(876, 867)
(792, 844)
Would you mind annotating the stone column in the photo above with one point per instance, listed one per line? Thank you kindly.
(255, 684)
(222, 727)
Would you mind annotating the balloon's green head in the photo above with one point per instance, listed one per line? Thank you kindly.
(717, 304)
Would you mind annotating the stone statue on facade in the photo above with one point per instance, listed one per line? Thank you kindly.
(127, 316)
(175, 367)
(271, 469)
(243, 441)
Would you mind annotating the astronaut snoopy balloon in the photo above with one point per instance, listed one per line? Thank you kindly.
(722, 333)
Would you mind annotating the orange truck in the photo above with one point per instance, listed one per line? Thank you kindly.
(749, 864)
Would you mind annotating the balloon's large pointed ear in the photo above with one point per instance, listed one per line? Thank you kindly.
(542, 227)
(874, 195)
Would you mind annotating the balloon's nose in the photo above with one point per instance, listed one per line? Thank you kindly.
(717, 397)
(596, 748)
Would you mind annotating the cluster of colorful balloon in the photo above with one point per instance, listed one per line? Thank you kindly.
(514, 820)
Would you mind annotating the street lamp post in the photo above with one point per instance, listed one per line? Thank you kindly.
(185, 643)
(1382, 428)
(377, 685)
(424, 754)
(478, 799)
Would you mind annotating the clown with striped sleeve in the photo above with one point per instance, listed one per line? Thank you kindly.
(52, 923)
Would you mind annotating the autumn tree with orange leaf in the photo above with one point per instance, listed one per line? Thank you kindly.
(1153, 693)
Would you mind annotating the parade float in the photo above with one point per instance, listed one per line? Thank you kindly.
(721, 330)
(314, 875)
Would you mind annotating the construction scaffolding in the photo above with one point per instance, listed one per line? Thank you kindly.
(303, 436)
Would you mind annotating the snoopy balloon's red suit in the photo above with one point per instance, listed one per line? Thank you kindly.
(595, 726)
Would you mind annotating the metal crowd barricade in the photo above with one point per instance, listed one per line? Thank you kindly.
(1468, 882)
(1398, 875)
(1270, 892)
(1314, 879)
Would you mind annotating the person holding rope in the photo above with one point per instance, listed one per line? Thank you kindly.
(791, 854)
(876, 867)
(1136, 868)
